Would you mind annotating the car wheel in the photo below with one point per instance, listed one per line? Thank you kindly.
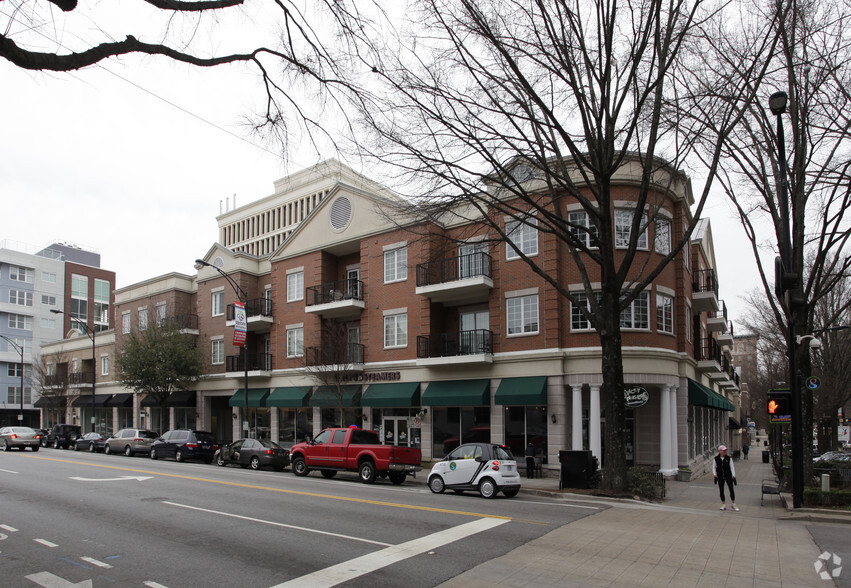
(511, 492)
(397, 477)
(56, 445)
(436, 485)
(36, 448)
(107, 449)
(91, 447)
(76, 447)
(219, 461)
(178, 455)
(7, 447)
(366, 471)
(153, 453)
(487, 488)
(254, 464)
(329, 473)
(128, 452)
(300, 467)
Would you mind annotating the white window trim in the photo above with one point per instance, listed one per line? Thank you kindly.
(294, 329)
(216, 339)
(213, 295)
(660, 293)
(639, 329)
(399, 269)
(510, 253)
(644, 233)
(395, 313)
(523, 317)
(299, 296)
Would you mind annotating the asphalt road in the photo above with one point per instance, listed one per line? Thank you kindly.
(80, 519)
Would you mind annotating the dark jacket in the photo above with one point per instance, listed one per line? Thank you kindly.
(723, 468)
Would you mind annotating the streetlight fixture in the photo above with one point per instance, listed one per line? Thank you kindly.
(242, 296)
(20, 349)
(91, 335)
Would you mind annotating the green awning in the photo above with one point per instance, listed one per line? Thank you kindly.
(522, 391)
(293, 397)
(734, 424)
(326, 396)
(85, 400)
(458, 393)
(389, 395)
(256, 397)
(700, 395)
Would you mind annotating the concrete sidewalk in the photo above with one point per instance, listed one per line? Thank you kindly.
(684, 541)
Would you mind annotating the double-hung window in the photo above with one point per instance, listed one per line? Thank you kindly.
(663, 236)
(637, 314)
(217, 355)
(583, 229)
(295, 286)
(664, 313)
(522, 314)
(143, 319)
(218, 304)
(295, 341)
(396, 265)
(396, 329)
(623, 229)
(578, 320)
(522, 236)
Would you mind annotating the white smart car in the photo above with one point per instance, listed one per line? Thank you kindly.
(484, 467)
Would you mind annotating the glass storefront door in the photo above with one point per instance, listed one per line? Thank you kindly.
(396, 432)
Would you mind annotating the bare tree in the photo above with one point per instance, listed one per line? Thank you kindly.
(810, 62)
(332, 363)
(50, 374)
(494, 109)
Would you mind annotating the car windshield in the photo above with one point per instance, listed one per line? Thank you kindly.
(503, 453)
(269, 444)
(205, 437)
(21, 430)
(148, 434)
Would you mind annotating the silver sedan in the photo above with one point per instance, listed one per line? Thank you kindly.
(20, 437)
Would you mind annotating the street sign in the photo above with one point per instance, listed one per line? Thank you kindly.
(813, 383)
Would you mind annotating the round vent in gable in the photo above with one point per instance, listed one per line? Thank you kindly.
(341, 213)
(219, 263)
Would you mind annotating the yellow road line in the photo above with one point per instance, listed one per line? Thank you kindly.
(283, 491)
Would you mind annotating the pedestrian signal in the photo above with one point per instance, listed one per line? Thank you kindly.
(779, 406)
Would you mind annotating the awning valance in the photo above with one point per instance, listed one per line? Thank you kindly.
(390, 395)
(121, 400)
(256, 397)
(700, 395)
(458, 393)
(734, 424)
(530, 391)
(329, 397)
(292, 397)
(50, 402)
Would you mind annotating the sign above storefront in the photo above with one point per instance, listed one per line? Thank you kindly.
(635, 397)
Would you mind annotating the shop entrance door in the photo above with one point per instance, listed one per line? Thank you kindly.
(395, 431)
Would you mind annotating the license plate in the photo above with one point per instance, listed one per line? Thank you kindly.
(509, 468)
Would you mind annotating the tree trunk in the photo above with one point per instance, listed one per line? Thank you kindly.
(614, 468)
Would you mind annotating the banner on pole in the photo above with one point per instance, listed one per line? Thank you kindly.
(240, 327)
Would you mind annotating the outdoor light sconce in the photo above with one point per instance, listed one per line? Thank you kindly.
(553, 417)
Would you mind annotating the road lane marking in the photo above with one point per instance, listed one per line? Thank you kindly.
(253, 520)
(46, 543)
(8, 528)
(118, 479)
(568, 504)
(354, 568)
(294, 492)
(152, 584)
(8, 471)
(48, 580)
(95, 562)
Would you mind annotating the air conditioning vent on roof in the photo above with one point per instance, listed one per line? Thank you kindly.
(341, 213)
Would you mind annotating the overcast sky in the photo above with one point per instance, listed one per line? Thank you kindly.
(133, 171)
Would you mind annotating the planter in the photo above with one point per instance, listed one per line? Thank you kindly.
(684, 475)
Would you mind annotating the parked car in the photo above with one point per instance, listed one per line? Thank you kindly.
(20, 437)
(484, 467)
(62, 436)
(183, 444)
(91, 442)
(130, 442)
(254, 454)
(841, 456)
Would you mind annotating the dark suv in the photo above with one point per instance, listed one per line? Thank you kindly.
(62, 436)
(183, 444)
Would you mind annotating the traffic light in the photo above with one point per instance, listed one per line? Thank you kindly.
(779, 406)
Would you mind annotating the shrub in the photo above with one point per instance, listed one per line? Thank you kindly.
(639, 482)
(834, 498)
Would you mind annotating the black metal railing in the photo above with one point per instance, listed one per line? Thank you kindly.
(720, 313)
(454, 344)
(454, 268)
(704, 281)
(707, 349)
(257, 362)
(348, 289)
(341, 354)
(185, 321)
(56, 380)
(254, 307)
(77, 378)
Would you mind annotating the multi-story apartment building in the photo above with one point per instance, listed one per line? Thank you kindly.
(36, 285)
(437, 334)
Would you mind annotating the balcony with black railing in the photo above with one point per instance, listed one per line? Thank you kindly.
(80, 379)
(716, 320)
(342, 299)
(456, 280)
(340, 357)
(726, 338)
(475, 346)
(257, 362)
(707, 352)
(186, 322)
(704, 291)
(56, 381)
(258, 314)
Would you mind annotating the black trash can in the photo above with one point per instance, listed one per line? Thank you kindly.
(765, 455)
(577, 468)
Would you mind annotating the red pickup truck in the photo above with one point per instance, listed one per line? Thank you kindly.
(354, 450)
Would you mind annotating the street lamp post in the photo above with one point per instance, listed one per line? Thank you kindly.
(20, 349)
(785, 281)
(241, 296)
(91, 335)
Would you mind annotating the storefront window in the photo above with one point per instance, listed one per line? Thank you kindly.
(125, 418)
(454, 425)
(295, 425)
(259, 420)
(159, 420)
(525, 424)
(350, 416)
(184, 418)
